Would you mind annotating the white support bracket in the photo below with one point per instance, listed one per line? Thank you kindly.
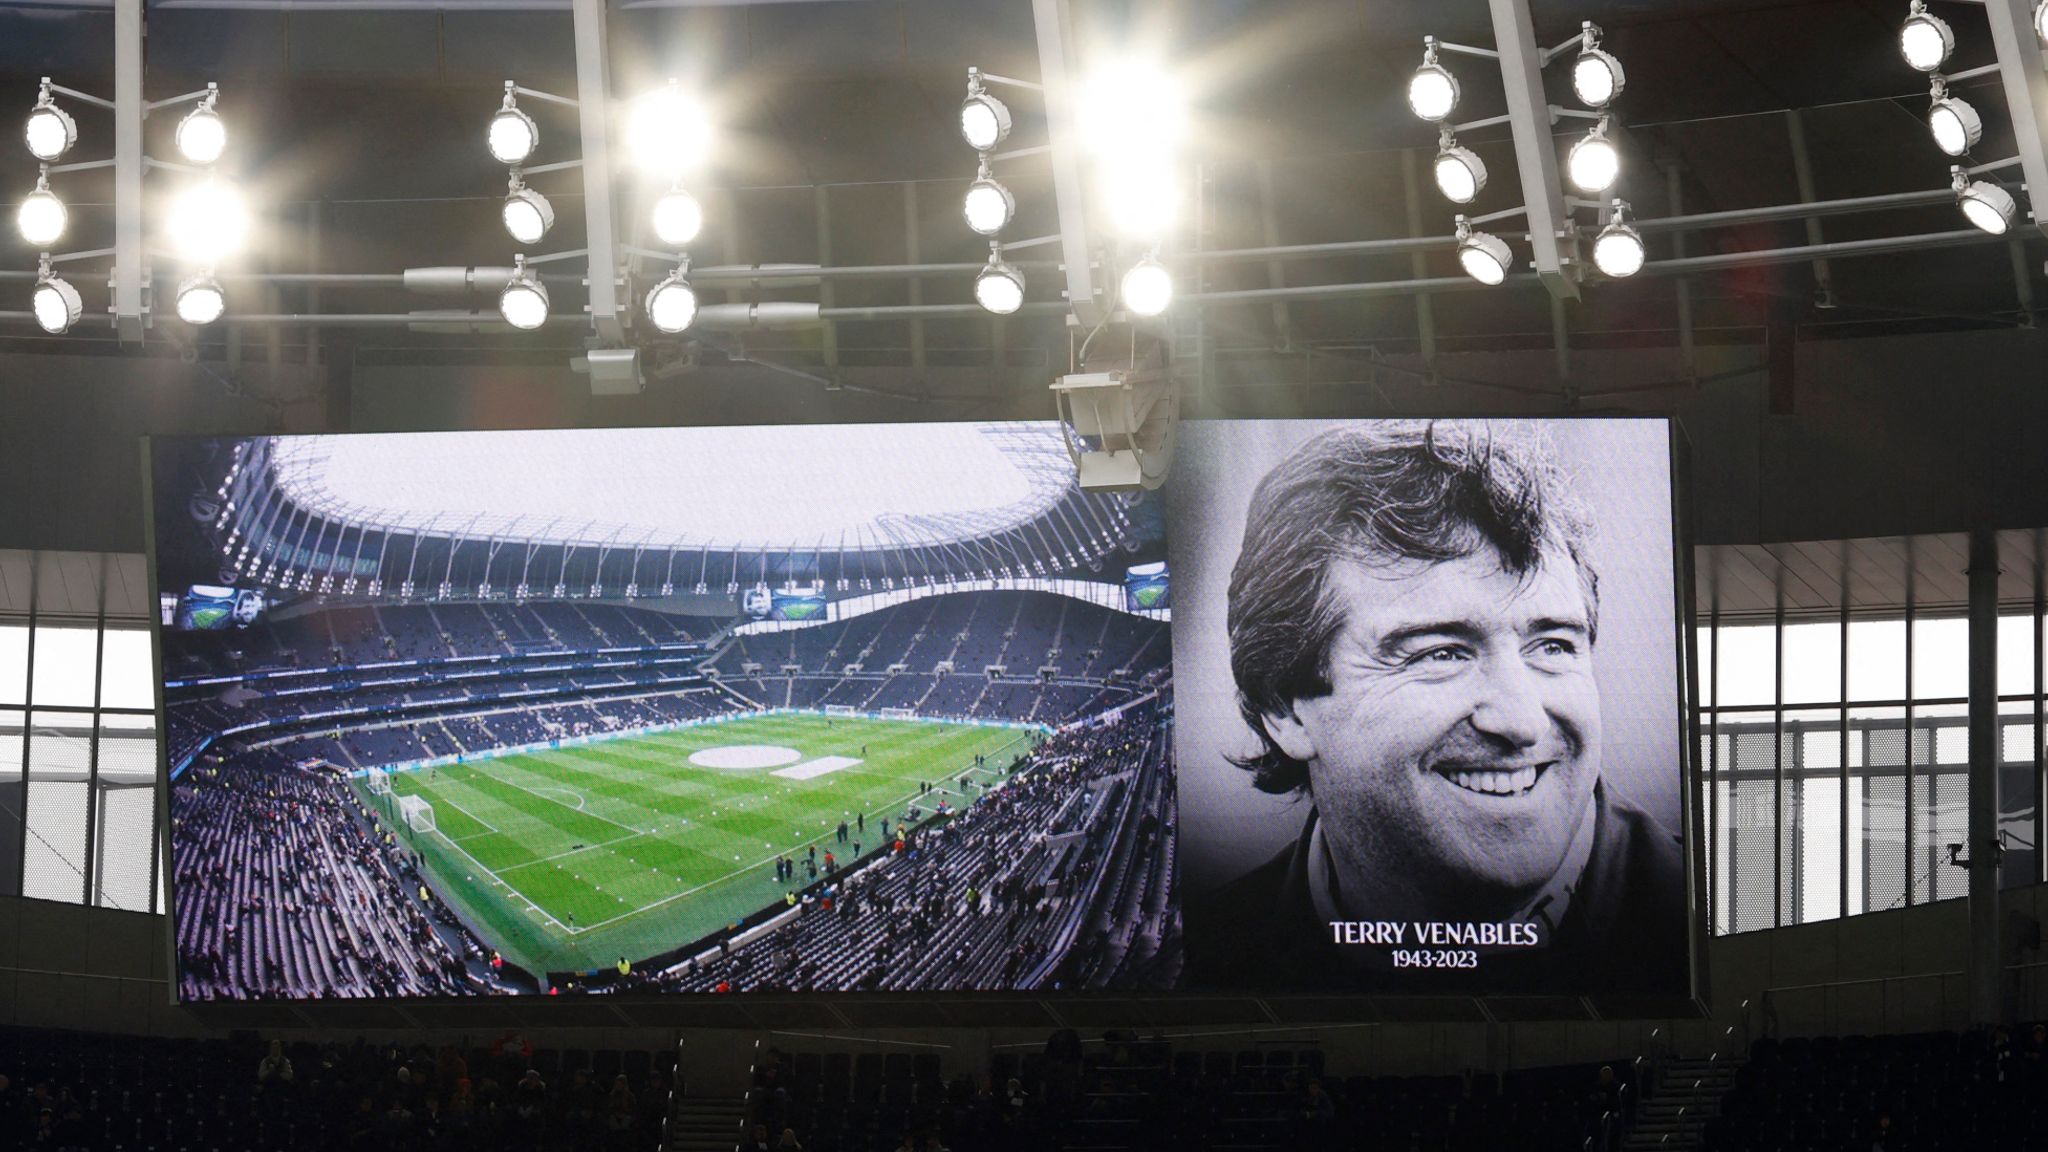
(1551, 239)
(1055, 27)
(2021, 65)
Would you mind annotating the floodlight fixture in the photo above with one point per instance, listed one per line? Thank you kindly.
(1147, 288)
(55, 302)
(200, 300)
(999, 286)
(1956, 125)
(984, 120)
(1593, 163)
(208, 221)
(1432, 91)
(202, 137)
(672, 306)
(1484, 256)
(1618, 250)
(1597, 77)
(50, 130)
(513, 135)
(527, 214)
(1925, 40)
(1142, 194)
(1132, 106)
(524, 301)
(988, 206)
(1460, 174)
(678, 218)
(41, 217)
(1984, 204)
(669, 132)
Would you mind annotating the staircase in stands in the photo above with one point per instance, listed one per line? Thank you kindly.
(1687, 1094)
(706, 1124)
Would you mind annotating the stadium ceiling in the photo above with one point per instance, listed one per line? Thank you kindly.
(813, 488)
(356, 129)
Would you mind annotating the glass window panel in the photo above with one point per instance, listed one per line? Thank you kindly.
(53, 865)
(1941, 658)
(10, 801)
(1749, 665)
(1813, 663)
(13, 663)
(65, 659)
(1810, 847)
(128, 674)
(1877, 750)
(2016, 655)
(1877, 659)
(121, 877)
(1941, 800)
(1703, 638)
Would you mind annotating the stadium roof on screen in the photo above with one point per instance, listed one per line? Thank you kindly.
(812, 486)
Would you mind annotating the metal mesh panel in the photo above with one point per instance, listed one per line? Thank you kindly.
(53, 864)
(122, 842)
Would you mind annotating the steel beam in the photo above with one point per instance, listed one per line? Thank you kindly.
(593, 111)
(2020, 67)
(1053, 20)
(1521, 74)
(128, 281)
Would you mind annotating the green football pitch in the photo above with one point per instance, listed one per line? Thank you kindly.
(570, 858)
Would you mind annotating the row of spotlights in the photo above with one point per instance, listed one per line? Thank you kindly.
(50, 131)
(1597, 78)
(199, 301)
(667, 132)
(1618, 250)
(523, 303)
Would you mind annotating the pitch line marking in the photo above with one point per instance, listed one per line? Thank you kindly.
(552, 800)
(473, 816)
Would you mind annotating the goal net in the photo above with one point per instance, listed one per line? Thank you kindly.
(899, 713)
(380, 782)
(417, 813)
(839, 710)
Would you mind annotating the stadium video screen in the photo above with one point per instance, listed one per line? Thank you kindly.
(900, 708)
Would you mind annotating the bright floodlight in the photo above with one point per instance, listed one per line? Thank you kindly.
(1596, 78)
(42, 217)
(527, 214)
(201, 135)
(988, 206)
(1984, 204)
(200, 300)
(1593, 163)
(1618, 250)
(1142, 194)
(2041, 20)
(999, 287)
(524, 302)
(1484, 256)
(672, 306)
(1956, 125)
(56, 304)
(1147, 288)
(1460, 174)
(208, 221)
(1432, 91)
(514, 135)
(984, 120)
(1925, 40)
(1132, 106)
(51, 131)
(668, 132)
(677, 218)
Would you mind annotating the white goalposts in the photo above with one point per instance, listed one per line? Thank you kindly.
(379, 782)
(417, 813)
(898, 713)
(840, 710)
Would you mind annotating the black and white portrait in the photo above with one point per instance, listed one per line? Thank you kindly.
(1429, 719)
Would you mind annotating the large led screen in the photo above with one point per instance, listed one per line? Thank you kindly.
(900, 708)
(1430, 734)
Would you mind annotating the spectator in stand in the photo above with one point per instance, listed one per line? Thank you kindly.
(529, 1097)
(276, 1068)
(789, 1142)
(757, 1140)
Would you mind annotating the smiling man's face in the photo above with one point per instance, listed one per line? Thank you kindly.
(1460, 741)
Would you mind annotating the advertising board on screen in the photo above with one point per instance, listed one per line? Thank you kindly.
(1367, 706)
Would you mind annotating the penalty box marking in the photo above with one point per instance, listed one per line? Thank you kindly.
(812, 769)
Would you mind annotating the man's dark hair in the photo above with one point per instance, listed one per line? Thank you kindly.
(1379, 492)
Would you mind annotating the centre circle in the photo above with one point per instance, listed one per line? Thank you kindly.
(746, 756)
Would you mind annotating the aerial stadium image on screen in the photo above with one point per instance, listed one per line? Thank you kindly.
(699, 710)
